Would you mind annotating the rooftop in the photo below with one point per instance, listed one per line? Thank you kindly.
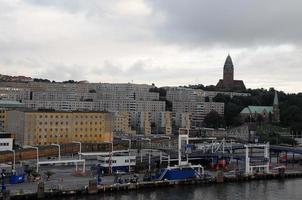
(10, 104)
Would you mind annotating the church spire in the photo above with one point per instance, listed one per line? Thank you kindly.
(276, 101)
(276, 110)
(228, 63)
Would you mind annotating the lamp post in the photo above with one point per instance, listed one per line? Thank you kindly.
(129, 147)
(150, 152)
(28, 147)
(58, 145)
(14, 162)
(80, 152)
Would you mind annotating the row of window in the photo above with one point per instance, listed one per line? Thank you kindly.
(4, 144)
(88, 136)
(66, 129)
(76, 123)
(66, 116)
(66, 136)
(114, 161)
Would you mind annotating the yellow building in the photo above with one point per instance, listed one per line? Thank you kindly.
(43, 128)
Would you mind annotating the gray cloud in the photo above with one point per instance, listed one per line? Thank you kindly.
(234, 23)
(168, 42)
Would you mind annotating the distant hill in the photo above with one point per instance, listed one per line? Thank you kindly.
(7, 78)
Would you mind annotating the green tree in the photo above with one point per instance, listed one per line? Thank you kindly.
(48, 174)
(292, 114)
(214, 120)
(232, 114)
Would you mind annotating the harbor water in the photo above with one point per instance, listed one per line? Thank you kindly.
(290, 189)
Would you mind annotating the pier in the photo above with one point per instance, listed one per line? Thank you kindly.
(93, 188)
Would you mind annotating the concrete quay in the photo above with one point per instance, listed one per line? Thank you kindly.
(92, 188)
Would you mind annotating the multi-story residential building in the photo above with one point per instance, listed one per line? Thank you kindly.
(141, 122)
(150, 106)
(182, 120)
(151, 122)
(43, 128)
(121, 123)
(84, 96)
(198, 109)
(5, 106)
(161, 122)
(184, 94)
(14, 94)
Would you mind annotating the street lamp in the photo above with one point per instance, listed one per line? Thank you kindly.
(150, 152)
(129, 147)
(59, 150)
(14, 163)
(80, 148)
(32, 147)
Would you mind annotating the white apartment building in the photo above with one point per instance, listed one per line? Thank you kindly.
(184, 94)
(198, 110)
(182, 120)
(161, 122)
(14, 94)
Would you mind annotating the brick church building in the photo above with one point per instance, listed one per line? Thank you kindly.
(228, 81)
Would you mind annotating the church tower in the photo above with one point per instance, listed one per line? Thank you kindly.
(228, 72)
(276, 111)
(228, 83)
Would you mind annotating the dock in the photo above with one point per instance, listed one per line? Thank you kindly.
(93, 188)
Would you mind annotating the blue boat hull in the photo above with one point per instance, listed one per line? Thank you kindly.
(178, 174)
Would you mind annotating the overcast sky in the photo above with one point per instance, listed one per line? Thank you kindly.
(166, 42)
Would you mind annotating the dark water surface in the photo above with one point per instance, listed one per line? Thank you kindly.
(262, 190)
